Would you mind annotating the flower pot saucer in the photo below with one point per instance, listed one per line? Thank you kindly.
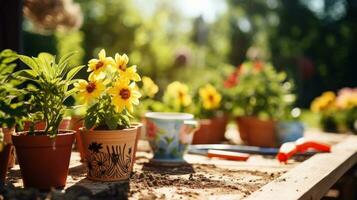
(167, 162)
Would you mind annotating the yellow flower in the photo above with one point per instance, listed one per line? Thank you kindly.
(149, 87)
(124, 95)
(129, 73)
(89, 91)
(99, 65)
(323, 103)
(179, 93)
(210, 97)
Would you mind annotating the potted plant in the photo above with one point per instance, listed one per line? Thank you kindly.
(44, 155)
(259, 96)
(337, 113)
(213, 121)
(12, 109)
(108, 137)
(5, 149)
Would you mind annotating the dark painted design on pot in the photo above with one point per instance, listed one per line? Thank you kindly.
(110, 161)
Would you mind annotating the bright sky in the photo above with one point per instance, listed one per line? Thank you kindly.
(209, 9)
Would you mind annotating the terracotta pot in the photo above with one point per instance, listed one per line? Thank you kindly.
(256, 132)
(44, 161)
(65, 124)
(109, 153)
(76, 123)
(41, 125)
(7, 139)
(4, 160)
(211, 131)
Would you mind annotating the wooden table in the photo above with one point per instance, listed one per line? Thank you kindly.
(261, 177)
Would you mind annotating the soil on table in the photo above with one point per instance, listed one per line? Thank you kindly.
(196, 181)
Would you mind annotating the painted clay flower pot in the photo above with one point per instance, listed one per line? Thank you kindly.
(169, 135)
(256, 132)
(7, 139)
(211, 131)
(44, 161)
(109, 154)
(289, 131)
(4, 160)
(76, 123)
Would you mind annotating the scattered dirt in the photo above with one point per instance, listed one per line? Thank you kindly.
(148, 181)
(194, 181)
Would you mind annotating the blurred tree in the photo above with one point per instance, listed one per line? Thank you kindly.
(318, 49)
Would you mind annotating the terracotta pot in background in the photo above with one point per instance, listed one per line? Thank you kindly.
(7, 139)
(4, 160)
(109, 153)
(211, 131)
(256, 132)
(76, 123)
(44, 161)
(65, 124)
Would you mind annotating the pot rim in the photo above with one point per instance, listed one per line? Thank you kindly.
(169, 116)
(62, 132)
(83, 129)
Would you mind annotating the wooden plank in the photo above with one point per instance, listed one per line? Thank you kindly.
(312, 178)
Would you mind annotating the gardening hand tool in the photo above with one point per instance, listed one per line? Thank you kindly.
(228, 155)
(302, 145)
(202, 149)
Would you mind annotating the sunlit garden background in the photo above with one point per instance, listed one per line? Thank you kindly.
(198, 42)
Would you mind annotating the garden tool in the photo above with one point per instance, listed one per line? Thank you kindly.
(202, 149)
(302, 145)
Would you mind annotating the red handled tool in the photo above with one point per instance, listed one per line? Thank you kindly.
(287, 150)
(228, 155)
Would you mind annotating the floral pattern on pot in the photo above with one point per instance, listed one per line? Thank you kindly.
(111, 161)
(169, 138)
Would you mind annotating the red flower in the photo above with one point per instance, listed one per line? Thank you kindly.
(151, 129)
(258, 66)
(233, 79)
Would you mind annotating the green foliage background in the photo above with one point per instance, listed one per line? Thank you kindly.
(315, 48)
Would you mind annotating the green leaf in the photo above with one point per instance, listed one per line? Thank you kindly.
(9, 60)
(89, 121)
(73, 72)
(63, 62)
(29, 62)
(111, 121)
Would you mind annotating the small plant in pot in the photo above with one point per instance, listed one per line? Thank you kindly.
(12, 109)
(5, 152)
(212, 121)
(259, 95)
(108, 137)
(44, 155)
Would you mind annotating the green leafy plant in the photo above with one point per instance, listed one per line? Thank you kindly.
(12, 108)
(257, 89)
(53, 80)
